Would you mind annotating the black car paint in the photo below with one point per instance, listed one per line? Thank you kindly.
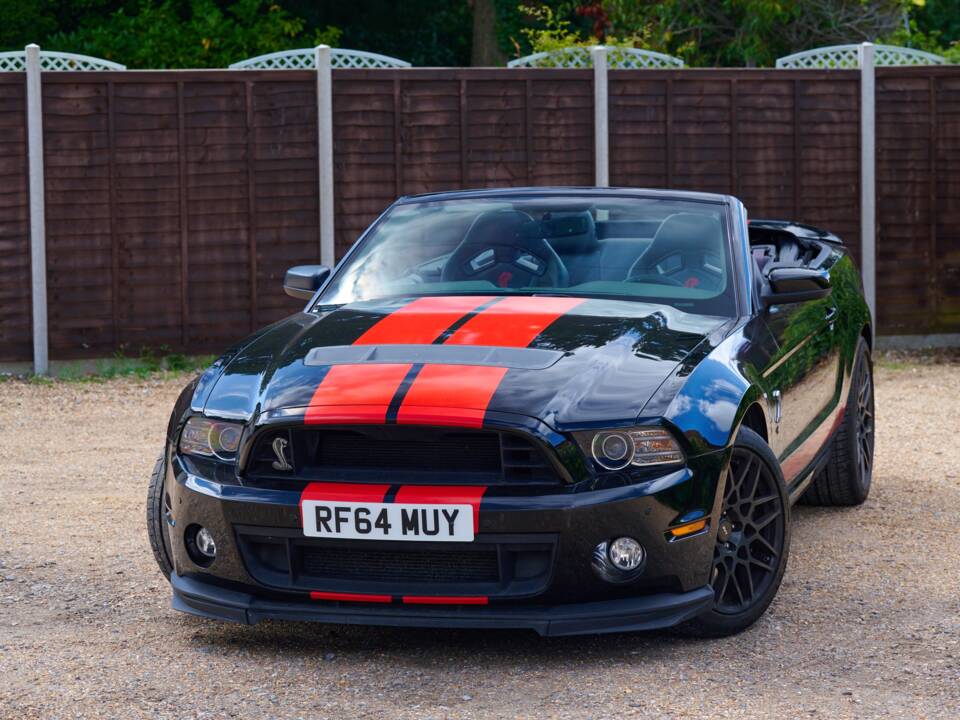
(623, 363)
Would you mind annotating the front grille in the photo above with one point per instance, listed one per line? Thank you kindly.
(356, 563)
(450, 452)
(414, 455)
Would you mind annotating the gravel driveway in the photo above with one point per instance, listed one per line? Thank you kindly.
(866, 624)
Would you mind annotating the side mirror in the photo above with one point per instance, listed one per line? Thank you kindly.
(303, 281)
(790, 285)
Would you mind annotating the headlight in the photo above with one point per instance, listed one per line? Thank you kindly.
(616, 449)
(211, 438)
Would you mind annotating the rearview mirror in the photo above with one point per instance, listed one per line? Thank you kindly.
(790, 285)
(302, 281)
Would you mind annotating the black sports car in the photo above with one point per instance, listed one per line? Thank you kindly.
(571, 410)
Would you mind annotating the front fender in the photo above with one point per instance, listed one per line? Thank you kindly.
(710, 392)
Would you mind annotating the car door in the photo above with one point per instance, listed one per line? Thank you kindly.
(803, 378)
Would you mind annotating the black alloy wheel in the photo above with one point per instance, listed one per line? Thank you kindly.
(865, 440)
(752, 540)
(750, 534)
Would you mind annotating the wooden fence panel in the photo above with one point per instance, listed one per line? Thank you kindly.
(285, 213)
(175, 202)
(15, 322)
(147, 264)
(944, 268)
(79, 239)
(906, 223)
(828, 120)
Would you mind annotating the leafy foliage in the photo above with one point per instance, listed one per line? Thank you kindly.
(214, 33)
(553, 32)
(191, 33)
(717, 32)
(933, 26)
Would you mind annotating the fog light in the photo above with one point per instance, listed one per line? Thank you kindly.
(200, 545)
(619, 561)
(626, 554)
(205, 543)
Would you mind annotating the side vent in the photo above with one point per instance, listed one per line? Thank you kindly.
(523, 462)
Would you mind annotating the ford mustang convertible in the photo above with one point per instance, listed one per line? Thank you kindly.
(568, 410)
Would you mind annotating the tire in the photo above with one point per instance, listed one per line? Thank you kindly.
(848, 473)
(156, 523)
(753, 541)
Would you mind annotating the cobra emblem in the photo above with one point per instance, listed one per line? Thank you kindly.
(280, 450)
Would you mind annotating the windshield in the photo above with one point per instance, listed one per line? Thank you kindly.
(665, 251)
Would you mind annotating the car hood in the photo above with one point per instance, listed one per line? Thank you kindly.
(458, 360)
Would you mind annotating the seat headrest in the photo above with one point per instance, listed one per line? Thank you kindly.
(685, 232)
(571, 232)
(501, 227)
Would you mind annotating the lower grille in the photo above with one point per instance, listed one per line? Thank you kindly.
(354, 563)
(492, 565)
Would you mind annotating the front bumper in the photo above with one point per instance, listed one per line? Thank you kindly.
(649, 612)
(556, 529)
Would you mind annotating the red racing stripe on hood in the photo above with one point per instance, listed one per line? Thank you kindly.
(421, 321)
(355, 394)
(450, 395)
(444, 495)
(460, 395)
(512, 322)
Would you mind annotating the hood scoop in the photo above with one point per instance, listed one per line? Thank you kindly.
(503, 357)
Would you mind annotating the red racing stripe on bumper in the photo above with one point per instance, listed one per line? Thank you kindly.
(440, 600)
(444, 495)
(450, 395)
(420, 322)
(355, 394)
(350, 597)
(344, 492)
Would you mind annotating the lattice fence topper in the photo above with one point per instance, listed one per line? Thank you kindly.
(839, 57)
(617, 58)
(16, 61)
(304, 59)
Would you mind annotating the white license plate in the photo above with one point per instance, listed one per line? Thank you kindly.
(387, 521)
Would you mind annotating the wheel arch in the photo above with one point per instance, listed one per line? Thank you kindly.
(756, 419)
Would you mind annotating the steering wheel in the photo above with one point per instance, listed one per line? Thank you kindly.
(506, 248)
(655, 279)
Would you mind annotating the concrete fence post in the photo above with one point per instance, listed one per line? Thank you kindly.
(325, 153)
(38, 232)
(868, 181)
(601, 141)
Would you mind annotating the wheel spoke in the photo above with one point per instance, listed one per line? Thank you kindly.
(746, 572)
(736, 586)
(761, 564)
(757, 502)
(770, 548)
(760, 525)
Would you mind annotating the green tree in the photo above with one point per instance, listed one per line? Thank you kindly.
(188, 33)
(719, 32)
